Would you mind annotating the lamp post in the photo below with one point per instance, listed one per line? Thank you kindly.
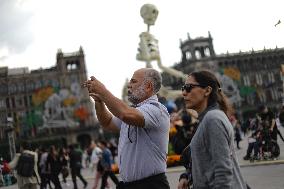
(282, 78)
(11, 138)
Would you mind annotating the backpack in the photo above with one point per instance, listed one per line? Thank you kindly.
(25, 165)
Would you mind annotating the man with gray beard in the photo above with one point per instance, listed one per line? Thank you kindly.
(144, 128)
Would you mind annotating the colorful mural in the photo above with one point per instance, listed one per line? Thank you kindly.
(229, 78)
(63, 109)
(53, 108)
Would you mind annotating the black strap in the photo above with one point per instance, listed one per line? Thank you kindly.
(145, 180)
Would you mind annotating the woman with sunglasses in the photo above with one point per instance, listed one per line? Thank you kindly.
(213, 159)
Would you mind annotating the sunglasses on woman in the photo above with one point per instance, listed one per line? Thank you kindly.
(189, 87)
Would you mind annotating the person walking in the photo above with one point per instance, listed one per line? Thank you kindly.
(237, 128)
(54, 167)
(106, 162)
(213, 159)
(63, 160)
(26, 165)
(75, 156)
(44, 174)
(143, 127)
(96, 164)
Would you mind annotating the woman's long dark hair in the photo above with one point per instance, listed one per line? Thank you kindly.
(206, 78)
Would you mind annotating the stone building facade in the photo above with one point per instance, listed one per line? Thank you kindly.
(50, 102)
(248, 78)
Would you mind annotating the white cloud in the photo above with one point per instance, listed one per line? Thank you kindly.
(14, 27)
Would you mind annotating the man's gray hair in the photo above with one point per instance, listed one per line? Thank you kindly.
(155, 77)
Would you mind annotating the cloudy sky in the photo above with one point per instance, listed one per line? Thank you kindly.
(31, 31)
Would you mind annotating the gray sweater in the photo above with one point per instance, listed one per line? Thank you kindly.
(214, 163)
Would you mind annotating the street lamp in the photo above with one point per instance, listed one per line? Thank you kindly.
(282, 78)
(11, 139)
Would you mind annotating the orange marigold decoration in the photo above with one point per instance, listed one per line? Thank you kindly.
(173, 131)
(173, 160)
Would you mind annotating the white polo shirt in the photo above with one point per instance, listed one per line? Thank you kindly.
(142, 152)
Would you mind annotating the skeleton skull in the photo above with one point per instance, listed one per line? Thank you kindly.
(149, 13)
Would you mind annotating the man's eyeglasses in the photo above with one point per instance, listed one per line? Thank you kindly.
(189, 87)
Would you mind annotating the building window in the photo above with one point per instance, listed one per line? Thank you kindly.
(19, 101)
(271, 77)
(207, 52)
(14, 116)
(250, 99)
(7, 102)
(197, 54)
(258, 78)
(12, 88)
(3, 89)
(26, 101)
(3, 117)
(21, 114)
(274, 94)
(13, 102)
(31, 100)
(2, 103)
(38, 84)
(74, 78)
(46, 82)
(72, 65)
(188, 55)
(55, 83)
(21, 87)
(262, 97)
(246, 80)
(30, 86)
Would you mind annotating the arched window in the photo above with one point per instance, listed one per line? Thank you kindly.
(188, 55)
(207, 52)
(197, 54)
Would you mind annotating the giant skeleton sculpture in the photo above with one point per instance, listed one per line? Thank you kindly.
(149, 51)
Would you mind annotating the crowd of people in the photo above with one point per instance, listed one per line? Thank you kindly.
(49, 167)
(261, 130)
(264, 135)
(203, 132)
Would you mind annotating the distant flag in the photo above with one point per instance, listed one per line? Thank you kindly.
(279, 21)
